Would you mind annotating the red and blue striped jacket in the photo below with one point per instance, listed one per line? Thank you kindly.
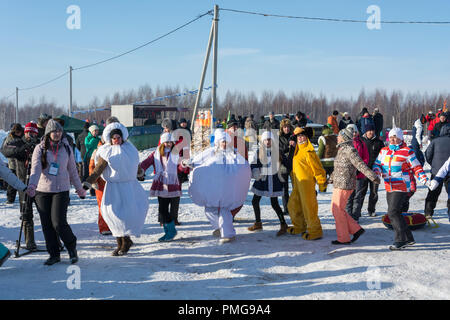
(395, 167)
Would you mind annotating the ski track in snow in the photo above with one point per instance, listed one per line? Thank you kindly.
(258, 265)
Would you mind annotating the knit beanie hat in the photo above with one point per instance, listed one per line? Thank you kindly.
(53, 125)
(166, 137)
(396, 132)
(346, 134)
(370, 127)
(93, 128)
(31, 127)
(352, 127)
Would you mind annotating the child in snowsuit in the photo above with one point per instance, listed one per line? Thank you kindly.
(166, 185)
(395, 164)
(306, 171)
(266, 173)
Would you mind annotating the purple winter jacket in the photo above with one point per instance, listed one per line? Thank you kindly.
(67, 172)
(361, 147)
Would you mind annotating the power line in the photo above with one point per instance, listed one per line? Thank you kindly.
(145, 44)
(117, 56)
(330, 19)
(6, 98)
(45, 83)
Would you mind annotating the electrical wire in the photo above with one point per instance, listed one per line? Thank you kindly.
(330, 19)
(145, 44)
(117, 56)
(7, 97)
(45, 83)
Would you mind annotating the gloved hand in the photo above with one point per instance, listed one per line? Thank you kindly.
(186, 163)
(256, 174)
(140, 173)
(432, 185)
(86, 185)
(377, 180)
(323, 187)
(31, 190)
(81, 193)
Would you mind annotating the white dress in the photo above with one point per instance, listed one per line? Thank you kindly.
(124, 204)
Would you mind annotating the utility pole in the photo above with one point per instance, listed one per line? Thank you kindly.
(214, 71)
(70, 90)
(17, 105)
(212, 39)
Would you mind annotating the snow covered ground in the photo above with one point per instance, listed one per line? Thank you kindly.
(258, 265)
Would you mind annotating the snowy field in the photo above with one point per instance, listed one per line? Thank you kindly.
(258, 265)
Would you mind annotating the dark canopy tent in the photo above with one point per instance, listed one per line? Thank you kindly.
(74, 125)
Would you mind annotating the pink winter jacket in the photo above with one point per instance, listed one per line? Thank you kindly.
(67, 172)
(361, 147)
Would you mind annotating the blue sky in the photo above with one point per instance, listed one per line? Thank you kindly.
(256, 53)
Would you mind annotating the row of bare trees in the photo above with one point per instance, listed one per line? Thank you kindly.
(405, 108)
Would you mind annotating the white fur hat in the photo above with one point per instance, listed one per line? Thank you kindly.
(266, 135)
(115, 125)
(220, 135)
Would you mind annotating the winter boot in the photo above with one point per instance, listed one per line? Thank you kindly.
(336, 242)
(73, 255)
(283, 229)
(4, 254)
(52, 260)
(115, 253)
(126, 245)
(171, 231)
(357, 234)
(226, 240)
(398, 246)
(29, 236)
(163, 238)
(256, 226)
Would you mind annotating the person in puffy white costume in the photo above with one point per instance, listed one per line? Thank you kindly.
(124, 204)
(219, 181)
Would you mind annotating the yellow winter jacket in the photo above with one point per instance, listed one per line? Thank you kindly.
(306, 164)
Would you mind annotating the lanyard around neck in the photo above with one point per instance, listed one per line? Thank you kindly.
(55, 154)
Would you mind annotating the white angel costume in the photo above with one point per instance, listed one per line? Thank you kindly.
(124, 204)
(219, 182)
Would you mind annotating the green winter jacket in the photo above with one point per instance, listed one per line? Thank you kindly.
(91, 144)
